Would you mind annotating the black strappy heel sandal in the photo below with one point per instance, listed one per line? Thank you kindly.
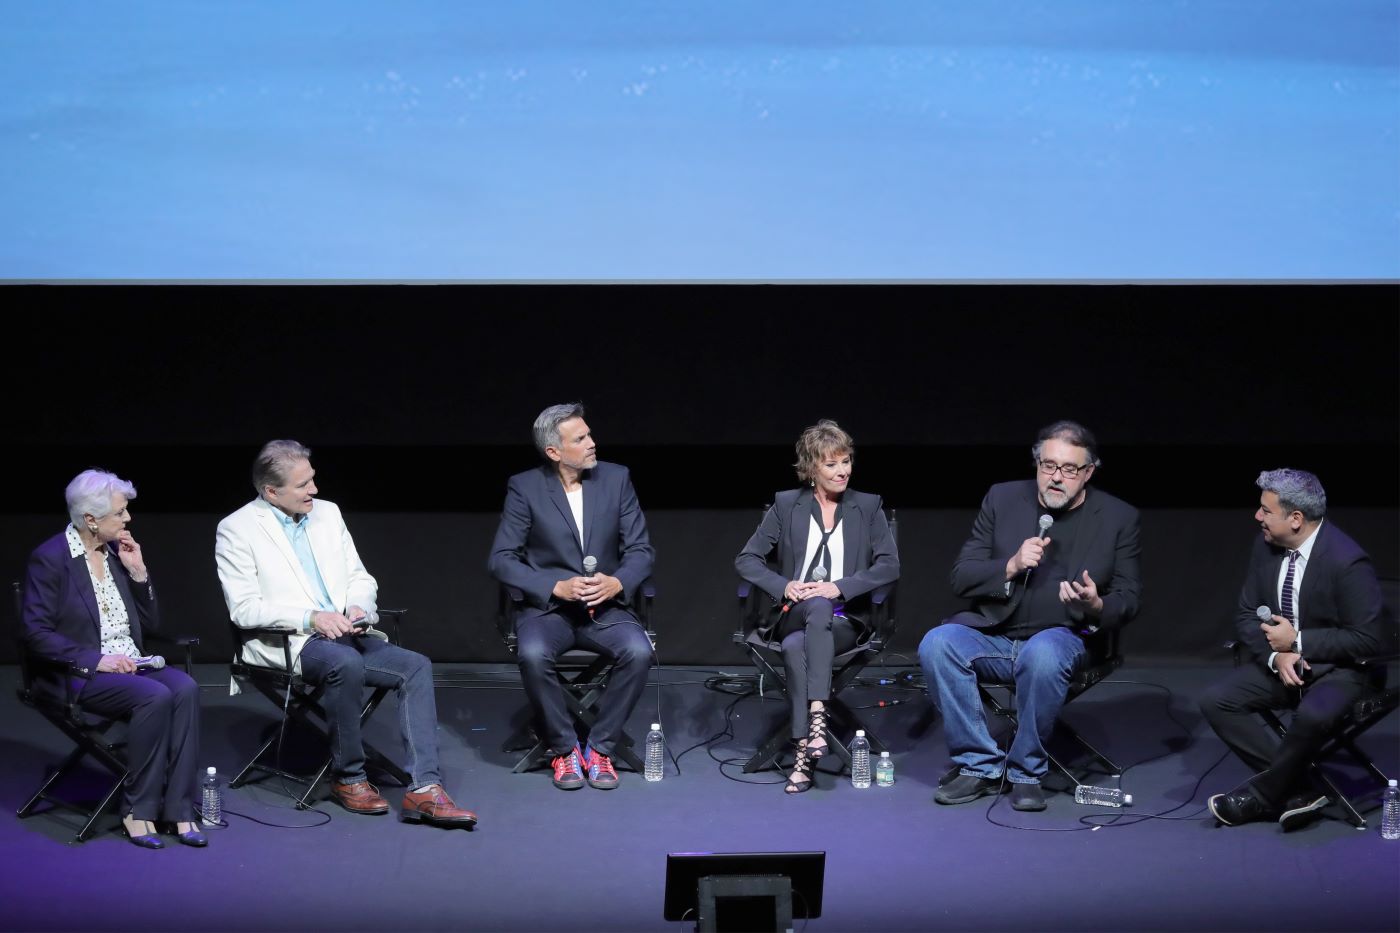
(803, 765)
(816, 732)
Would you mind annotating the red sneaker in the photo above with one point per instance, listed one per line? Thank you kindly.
(600, 771)
(568, 771)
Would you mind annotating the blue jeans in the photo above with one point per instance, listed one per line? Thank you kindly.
(346, 666)
(954, 655)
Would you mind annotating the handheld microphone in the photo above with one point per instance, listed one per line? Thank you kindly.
(818, 576)
(590, 567)
(1265, 615)
(151, 662)
(1043, 524)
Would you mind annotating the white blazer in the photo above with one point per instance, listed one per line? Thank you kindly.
(265, 587)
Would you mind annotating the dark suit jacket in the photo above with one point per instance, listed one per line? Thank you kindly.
(870, 559)
(1339, 603)
(1106, 546)
(537, 541)
(60, 619)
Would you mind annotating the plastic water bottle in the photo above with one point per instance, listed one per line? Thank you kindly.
(884, 770)
(656, 754)
(1102, 796)
(1390, 812)
(212, 810)
(860, 760)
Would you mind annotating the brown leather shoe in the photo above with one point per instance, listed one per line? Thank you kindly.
(433, 805)
(360, 797)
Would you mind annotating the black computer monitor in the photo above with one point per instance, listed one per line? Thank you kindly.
(807, 871)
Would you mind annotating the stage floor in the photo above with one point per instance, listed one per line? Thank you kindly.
(541, 859)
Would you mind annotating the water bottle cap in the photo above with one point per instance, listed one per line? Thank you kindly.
(211, 770)
(884, 754)
(1394, 782)
(1127, 800)
(656, 727)
(860, 732)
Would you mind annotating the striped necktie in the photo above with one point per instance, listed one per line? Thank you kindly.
(1286, 604)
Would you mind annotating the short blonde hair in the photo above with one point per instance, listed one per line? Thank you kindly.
(816, 443)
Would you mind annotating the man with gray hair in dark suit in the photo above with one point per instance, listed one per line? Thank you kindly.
(1322, 614)
(573, 541)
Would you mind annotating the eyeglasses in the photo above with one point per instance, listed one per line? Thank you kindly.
(1067, 470)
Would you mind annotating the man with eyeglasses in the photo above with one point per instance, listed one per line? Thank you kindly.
(1036, 588)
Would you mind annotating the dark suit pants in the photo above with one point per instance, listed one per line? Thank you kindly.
(542, 639)
(812, 637)
(1230, 707)
(162, 740)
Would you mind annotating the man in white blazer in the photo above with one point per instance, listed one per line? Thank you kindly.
(288, 565)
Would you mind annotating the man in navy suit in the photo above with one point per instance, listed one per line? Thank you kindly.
(1324, 607)
(1035, 594)
(569, 508)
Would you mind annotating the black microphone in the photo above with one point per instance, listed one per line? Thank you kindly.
(151, 662)
(590, 567)
(1265, 615)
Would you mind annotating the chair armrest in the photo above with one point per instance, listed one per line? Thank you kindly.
(508, 602)
(240, 638)
(395, 617)
(186, 642)
(646, 597)
(64, 670)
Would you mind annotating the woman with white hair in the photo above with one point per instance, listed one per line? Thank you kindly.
(87, 600)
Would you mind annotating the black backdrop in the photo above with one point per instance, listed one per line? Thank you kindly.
(418, 400)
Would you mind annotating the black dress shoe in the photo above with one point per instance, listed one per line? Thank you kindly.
(1240, 807)
(1027, 797)
(966, 788)
(1300, 811)
(192, 838)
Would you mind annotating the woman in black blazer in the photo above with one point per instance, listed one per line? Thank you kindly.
(833, 547)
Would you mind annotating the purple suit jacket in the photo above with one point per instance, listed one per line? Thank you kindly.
(59, 617)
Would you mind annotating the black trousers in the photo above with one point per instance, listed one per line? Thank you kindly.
(1230, 707)
(540, 642)
(162, 740)
(812, 637)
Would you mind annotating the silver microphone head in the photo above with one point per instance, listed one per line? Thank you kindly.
(1264, 613)
(818, 573)
(590, 565)
(1045, 522)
